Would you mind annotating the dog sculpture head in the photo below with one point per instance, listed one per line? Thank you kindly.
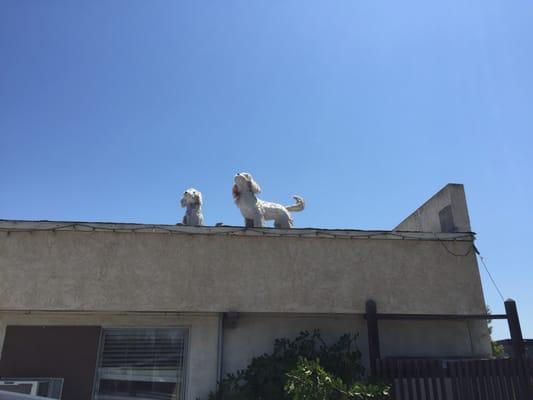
(191, 197)
(244, 182)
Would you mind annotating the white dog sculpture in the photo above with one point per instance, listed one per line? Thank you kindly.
(192, 199)
(252, 208)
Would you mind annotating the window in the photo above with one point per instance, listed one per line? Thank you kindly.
(141, 364)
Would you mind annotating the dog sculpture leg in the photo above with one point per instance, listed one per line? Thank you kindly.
(259, 221)
(283, 222)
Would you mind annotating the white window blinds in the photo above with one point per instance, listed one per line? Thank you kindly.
(141, 364)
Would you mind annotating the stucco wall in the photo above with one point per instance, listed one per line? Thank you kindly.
(68, 270)
(279, 285)
(255, 334)
(426, 217)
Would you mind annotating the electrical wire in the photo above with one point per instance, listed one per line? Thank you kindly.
(488, 272)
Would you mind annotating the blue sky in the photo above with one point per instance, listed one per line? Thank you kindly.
(109, 110)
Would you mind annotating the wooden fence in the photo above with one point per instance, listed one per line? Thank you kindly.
(499, 379)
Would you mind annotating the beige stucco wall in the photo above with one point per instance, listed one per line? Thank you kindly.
(68, 270)
(279, 285)
(426, 217)
(255, 334)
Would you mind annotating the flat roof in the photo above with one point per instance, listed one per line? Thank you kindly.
(10, 226)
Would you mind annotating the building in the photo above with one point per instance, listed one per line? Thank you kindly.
(131, 308)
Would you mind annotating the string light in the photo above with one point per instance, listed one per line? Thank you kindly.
(302, 233)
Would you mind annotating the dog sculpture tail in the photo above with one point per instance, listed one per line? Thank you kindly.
(299, 206)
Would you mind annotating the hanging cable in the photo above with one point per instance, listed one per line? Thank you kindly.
(455, 254)
(488, 272)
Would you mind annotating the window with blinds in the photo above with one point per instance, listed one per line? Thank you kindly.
(141, 364)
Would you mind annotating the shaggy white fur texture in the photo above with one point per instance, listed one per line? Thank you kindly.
(192, 200)
(259, 211)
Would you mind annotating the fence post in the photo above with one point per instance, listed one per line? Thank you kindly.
(517, 340)
(373, 335)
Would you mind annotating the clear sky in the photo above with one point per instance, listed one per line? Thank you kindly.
(110, 109)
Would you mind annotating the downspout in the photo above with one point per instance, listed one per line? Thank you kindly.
(220, 351)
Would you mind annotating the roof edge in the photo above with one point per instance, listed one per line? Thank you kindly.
(12, 226)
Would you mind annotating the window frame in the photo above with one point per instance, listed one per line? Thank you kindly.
(186, 330)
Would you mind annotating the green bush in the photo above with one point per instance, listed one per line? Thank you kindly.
(266, 376)
(309, 381)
